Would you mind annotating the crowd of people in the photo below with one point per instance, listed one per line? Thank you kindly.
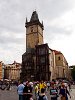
(57, 89)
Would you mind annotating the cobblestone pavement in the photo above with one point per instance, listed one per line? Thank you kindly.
(9, 94)
(12, 94)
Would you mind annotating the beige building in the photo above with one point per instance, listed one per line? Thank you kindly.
(12, 71)
(58, 65)
(61, 69)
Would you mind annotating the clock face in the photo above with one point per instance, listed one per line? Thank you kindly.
(34, 28)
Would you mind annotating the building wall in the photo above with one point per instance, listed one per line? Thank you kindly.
(59, 59)
(0, 70)
(28, 66)
(42, 62)
(61, 66)
(54, 66)
(51, 64)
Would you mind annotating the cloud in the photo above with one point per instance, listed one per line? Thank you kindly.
(62, 25)
(13, 12)
(11, 52)
(66, 46)
(57, 15)
(54, 8)
(11, 38)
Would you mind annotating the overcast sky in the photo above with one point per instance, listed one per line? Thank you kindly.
(59, 27)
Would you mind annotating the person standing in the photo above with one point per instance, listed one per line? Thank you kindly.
(27, 92)
(20, 90)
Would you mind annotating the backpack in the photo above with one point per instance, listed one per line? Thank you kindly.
(41, 97)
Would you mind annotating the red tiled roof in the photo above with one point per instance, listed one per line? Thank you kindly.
(57, 52)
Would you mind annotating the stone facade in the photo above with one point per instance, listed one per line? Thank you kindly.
(28, 66)
(42, 62)
(52, 64)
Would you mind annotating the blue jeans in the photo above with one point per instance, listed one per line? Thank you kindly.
(20, 97)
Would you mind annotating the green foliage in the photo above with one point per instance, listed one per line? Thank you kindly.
(73, 73)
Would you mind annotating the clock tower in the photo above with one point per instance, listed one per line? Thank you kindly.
(34, 32)
(34, 37)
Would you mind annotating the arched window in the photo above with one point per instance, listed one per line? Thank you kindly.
(59, 58)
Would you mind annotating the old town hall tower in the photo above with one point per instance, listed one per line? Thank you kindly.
(34, 36)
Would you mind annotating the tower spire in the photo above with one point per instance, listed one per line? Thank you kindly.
(26, 20)
(34, 17)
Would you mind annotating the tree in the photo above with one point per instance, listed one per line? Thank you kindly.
(73, 73)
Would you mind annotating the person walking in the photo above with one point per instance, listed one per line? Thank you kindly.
(53, 92)
(36, 88)
(64, 92)
(20, 90)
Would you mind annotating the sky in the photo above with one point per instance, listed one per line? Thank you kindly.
(58, 17)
